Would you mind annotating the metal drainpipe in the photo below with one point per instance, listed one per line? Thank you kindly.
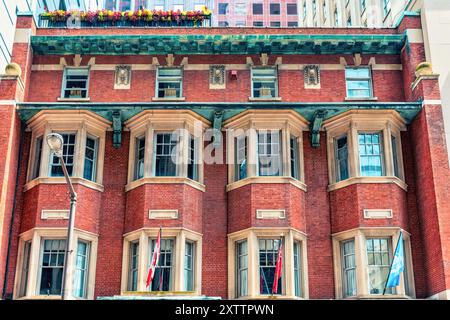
(11, 223)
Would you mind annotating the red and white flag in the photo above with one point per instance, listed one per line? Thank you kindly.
(155, 259)
(278, 267)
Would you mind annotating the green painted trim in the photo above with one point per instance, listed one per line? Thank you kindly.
(408, 110)
(316, 124)
(219, 44)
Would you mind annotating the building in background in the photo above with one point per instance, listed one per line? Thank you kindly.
(8, 17)
(182, 5)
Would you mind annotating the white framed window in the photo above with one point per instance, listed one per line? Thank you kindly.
(240, 157)
(166, 154)
(363, 258)
(169, 82)
(139, 158)
(359, 82)
(83, 151)
(363, 147)
(252, 260)
(193, 163)
(269, 153)
(295, 155)
(25, 269)
(75, 83)
(179, 264)
(81, 269)
(264, 82)
(291, 9)
(51, 266)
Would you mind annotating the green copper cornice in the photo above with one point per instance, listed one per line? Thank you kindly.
(226, 110)
(218, 44)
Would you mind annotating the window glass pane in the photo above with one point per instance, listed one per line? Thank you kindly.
(75, 83)
(25, 269)
(162, 280)
(240, 9)
(379, 260)
(395, 156)
(274, 8)
(241, 268)
(348, 268)
(268, 252)
(341, 154)
(169, 82)
(275, 24)
(192, 159)
(68, 156)
(358, 82)
(264, 81)
(223, 8)
(165, 154)
(51, 268)
(297, 269)
(269, 153)
(291, 8)
(139, 159)
(90, 159)
(257, 23)
(240, 154)
(294, 158)
(37, 158)
(292, 24)
(189, 266)
(81, 269)
(370, 154)
(133, 266)
(257, 8)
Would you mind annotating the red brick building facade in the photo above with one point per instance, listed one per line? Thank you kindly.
(356, 133)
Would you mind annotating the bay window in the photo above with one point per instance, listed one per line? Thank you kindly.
(42, 260)
(363, 258)
(364, 147)
(253, 255)
(83, 148)
(265, 146)
(166, 148)
(179, 263)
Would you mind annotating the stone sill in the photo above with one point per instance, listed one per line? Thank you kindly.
(361, 99)
(257, 180)
(73, 99)
(264, 99)
(61, 180)
(357, 180)
(169, 99)
(165, 180)
(40, 297)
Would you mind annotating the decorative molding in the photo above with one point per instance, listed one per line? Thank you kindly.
(264, 59)
(62, 63)
(311, 76)
(77, 60)
(163, 214)
(270, 214)
(184, 61)
(54, 214)
(378, 213)
(170, 59)
(249, 61)
(122, 77)
(155, 61)
(217, 77)
(357, 59)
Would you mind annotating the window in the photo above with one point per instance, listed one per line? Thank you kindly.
(81, 269)
(341, 155)
(291, 9)
(240, 158)
(348, 268)
(268, 254)
(386, 7)
(275, 24)
(269, 153)
(90, 159)
(349, 21)
(192, 169)
(165, 154)
(133, 266)
(240, 9)
(25, 269)
(223, 24)
(140, 155)
(264, 83)
(258, 24)
(240, 24)
(362, 4)
(274, 8)
(68, 156)
(241, 268)
(223, 8)
(359, 82)
(75, 83)
(169, 82)
(162, 281)
(370, 154)
(292, 24)
(295, 172)
(51, 266)
(379, 262)
(189, 266)
(37, 157)
(297, 269)
(395, 156)
(257, 8)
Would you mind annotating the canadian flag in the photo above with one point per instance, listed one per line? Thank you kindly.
(155, 259)
(278, 268)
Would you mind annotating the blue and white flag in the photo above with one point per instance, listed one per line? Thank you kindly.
(398, 265)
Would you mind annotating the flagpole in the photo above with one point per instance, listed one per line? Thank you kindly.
(390, 268)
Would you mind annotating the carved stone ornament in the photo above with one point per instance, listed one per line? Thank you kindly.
(312, 76)
(123, 77)
(217, 76)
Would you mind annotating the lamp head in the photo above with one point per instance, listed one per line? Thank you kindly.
(55, 141)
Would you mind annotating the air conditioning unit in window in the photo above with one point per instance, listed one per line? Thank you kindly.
(266, 92)
(75, 93)
(170, 92)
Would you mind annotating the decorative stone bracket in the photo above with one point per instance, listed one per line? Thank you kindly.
(117, 129)
(318, 118)
(217, 124)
